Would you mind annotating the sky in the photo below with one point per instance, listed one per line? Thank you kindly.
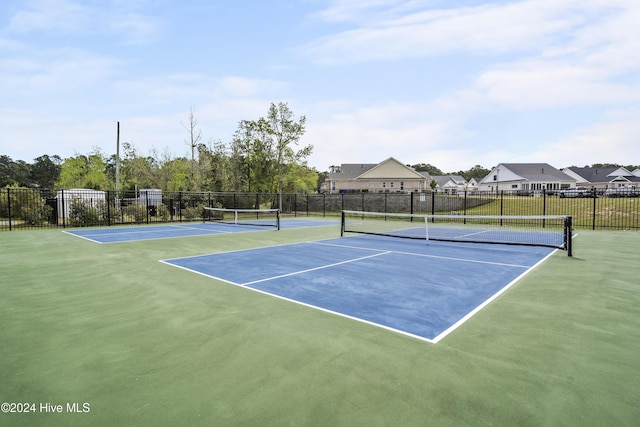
(451, 83)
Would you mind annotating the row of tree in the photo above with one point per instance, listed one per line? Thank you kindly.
(263, 156)
(42, 173)
(478, 172)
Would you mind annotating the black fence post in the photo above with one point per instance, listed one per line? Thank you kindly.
(501, 205)
(146, 205)
(593, 227)
(324, 205)
(64, 209)
(433, 203)
(411, 202)
(9, 206)
(108, 195)
(464, 205)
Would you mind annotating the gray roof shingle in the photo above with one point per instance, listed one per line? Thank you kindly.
(537, 171)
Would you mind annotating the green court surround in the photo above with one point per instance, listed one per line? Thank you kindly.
(147, 344)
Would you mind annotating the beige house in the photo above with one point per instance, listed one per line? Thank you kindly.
(388, 176)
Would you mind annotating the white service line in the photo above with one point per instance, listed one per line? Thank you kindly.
(430, 256)
(315, 268)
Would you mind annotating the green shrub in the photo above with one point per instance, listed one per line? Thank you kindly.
(193, 212)
(26, 205)
(82, 214)
(163, 213)
(136, 211)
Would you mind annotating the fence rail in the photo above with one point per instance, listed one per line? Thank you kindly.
(22, 208)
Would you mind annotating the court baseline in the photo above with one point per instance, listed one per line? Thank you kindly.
(152, 232)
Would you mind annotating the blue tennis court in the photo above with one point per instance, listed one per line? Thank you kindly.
(418, 288)
(184, 229)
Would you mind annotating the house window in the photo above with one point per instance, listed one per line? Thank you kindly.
(391, 184)
(333, 185)
(495, 177)
(402, 185)
(384, 184)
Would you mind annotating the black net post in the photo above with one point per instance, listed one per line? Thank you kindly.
(568, 235)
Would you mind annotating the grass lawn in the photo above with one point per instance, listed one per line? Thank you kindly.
(143, 343)
(601, 212)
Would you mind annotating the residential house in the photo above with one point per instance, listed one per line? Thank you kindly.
(604, 178)
(450, 184)
(526, 177)
(387, 176)
(472, 185)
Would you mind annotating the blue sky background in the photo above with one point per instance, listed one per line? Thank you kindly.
(452, 83)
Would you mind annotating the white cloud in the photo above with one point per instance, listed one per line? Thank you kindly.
(354, 10)
(73, 17)
(514, 62)
(410, 132)
(449, 133)
(184, 89)
(611, 140)
(65, 16)
(54, 71)
(136, 28)
(542, 84)
(489, 29)
(26, 133)
(236, 86)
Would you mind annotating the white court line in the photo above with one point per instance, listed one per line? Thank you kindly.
(315, 268)
(487, 301)
(464, 236)
(326, 310)
(121, 232)
(430, 256)
(435, 340)
(82, 237)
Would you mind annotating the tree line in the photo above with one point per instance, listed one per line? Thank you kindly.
(478, 172)
(263, 156)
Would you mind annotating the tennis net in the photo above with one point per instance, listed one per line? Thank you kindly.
(248, 217)
(544, 230)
